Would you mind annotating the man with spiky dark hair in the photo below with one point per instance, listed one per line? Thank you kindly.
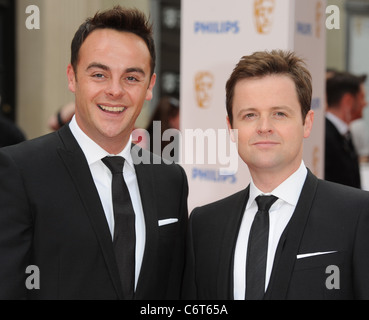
(98, 217)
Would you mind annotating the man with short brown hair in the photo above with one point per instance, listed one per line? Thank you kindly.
(284, 235)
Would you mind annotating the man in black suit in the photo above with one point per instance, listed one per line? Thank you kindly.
(346, 101)
(56, 202)
(9, 133)
(288, 235)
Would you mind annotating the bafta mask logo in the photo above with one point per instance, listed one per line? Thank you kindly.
(263, 14)
(318, 19)
(204, 83)
(316, 160)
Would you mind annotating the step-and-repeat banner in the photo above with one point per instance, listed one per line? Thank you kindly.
(215, 34)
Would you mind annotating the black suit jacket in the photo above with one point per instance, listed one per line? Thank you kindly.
(9, 133)
(328, 217)
(341, 164)
(51, 216)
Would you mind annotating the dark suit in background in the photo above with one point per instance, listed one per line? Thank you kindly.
(9, 133)
(51, 216)
(329, 218)
(341, 159)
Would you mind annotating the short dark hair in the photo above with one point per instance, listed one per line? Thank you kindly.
(264, 63)
(120, 19)
(340, 84)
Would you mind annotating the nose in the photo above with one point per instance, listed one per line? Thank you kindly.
(114, 89)
(264, 126)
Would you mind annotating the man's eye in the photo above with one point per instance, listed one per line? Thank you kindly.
(131, 78)
(249, 115)
(280, 114)
(98, 75)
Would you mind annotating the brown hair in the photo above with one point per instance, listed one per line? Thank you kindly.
(120, 19)
(341, 83)
(264, 63)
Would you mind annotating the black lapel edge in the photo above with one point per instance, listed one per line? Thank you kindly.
(75, 161)
(146, 185)
(289, 242)
(225, 273)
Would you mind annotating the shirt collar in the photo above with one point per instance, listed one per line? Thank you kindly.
(340, 125)
(93, 152)
(288, 191)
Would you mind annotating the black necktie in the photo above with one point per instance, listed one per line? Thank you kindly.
(257, 249)
(349, 145)
(124, 239)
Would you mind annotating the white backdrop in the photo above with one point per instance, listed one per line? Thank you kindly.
(215, 35)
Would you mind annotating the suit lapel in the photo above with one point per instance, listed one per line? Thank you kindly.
(289, 242)
(76, 164)
(146, 186)
(226, 265)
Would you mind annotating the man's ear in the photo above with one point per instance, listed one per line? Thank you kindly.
(347, 99)
(149, 93)
(347, 104)
(71, 78)
(231, 131)
(308, 126)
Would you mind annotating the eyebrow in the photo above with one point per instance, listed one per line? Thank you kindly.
(252, 109)
(98, 66)
(106, 68)
(135, 70)
(284, 107)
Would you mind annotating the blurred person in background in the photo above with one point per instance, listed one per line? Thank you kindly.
(63, 116)
(345, 103)
(10, 133)
(165, 117)
(360, 131)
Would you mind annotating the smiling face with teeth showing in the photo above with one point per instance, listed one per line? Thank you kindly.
(111, 83)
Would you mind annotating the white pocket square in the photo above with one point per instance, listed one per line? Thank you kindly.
(307, 255)
(167, 221)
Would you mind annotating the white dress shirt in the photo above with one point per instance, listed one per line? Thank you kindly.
(103, 178)
(280, 213)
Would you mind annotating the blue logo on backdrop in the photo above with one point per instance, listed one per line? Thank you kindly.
(217, 27)
(305, 29)
(315, 103)
(212, 175)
